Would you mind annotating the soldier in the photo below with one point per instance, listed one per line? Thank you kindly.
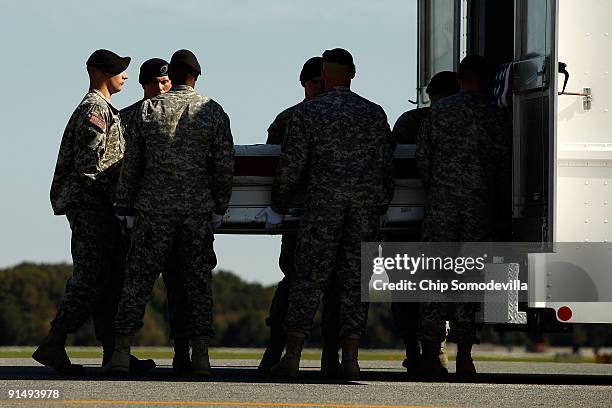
(310, 78)
(405, 314)
(154, 80)
(407, 126)
(176, 181)
(463, 160)
(339, 147)
(83, 189)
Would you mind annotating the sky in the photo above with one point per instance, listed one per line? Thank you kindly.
(251, 52)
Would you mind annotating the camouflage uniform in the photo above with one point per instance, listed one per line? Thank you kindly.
(330, 318)
(83, 189)
(463, 159)
(178, 301)
(177, 170)
(339, 147)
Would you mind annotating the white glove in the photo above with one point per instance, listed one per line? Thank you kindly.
(273, 219)
(127, 220)
(216, 221)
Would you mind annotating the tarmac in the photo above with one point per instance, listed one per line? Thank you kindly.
(236, 383)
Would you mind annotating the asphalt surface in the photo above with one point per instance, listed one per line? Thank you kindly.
(383, 384)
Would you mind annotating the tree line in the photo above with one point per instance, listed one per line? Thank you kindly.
(29, 294)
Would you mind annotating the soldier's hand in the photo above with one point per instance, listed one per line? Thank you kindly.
(273, 219)
(216, 221)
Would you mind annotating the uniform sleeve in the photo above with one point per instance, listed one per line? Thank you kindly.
(292, 164)
(423, 152)
(90, 143)
(133, 167)
(276, 131)
(221, 165)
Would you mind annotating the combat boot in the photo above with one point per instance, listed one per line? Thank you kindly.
(443, 355)
(119, 363)
(200, 363)
(274, 351)
(413, 356)
(330, 363)
(466, 371)
(289, 365)
(349, 369)
(137, 366)
(431, 369)
(181, 362)
(52, 353)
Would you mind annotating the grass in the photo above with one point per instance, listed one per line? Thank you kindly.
(255, 354)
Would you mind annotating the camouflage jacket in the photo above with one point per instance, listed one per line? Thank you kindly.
(339, 147)
(278, 128)
(92, 146)
(179, 156)
(464, 155)
(408, 124)
(128, 117)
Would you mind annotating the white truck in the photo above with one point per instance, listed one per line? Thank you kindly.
(562, 150)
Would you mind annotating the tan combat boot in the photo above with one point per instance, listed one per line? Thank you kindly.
(431, 369)
(443, 354)
(274, 350)
(466, 371)
(200, 363)
(330, 363)
(289, 365)
(137, 366)
(350, 353)
(119, 363)
(52, 353)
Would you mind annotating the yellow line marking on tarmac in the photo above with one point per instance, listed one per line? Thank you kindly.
(204, 403)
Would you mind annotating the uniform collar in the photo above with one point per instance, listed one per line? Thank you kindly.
(340, 88)
(101, 95)
(182, 88)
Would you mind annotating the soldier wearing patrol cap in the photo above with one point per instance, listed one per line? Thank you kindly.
(83, 189)
(154, 79)
(338, 146)
(310, 78)
(176, 181)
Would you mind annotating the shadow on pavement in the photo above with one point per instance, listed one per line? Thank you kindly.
(250, 375)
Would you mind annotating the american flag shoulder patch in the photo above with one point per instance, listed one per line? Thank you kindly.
(97, 121)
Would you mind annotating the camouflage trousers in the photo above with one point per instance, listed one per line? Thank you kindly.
(94, 289)
(330, 315)
(452, 224)
(329, 239)
(156, 239)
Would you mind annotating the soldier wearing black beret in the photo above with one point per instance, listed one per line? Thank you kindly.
(83, 190)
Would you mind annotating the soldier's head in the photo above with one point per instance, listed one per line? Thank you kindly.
(474, 74)
(154, 77)
(338, 68)
(184, 68)
(311, 79)
(443, 84)
(107, 71)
